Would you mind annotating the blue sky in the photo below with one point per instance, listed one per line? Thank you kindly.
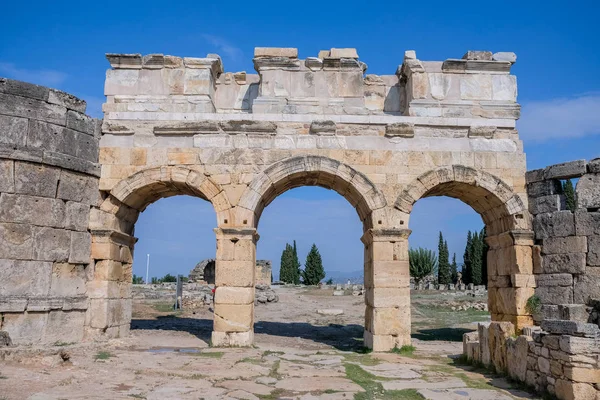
(62, 45)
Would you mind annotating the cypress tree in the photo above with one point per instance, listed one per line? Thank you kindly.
(466, 270)
(454, 269)
(444, 275)
(313, 267)
(569, 193)
(295, 265)
(284, 269)
(484, 251)
(476, 258)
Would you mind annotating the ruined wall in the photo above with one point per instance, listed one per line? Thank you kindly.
(263, 272)
(567, 251)
(49, 175)
(561, 358)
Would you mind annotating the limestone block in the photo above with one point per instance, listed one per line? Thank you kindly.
(25, 328)
(234, 295)
(439, 84)
(387, 321)
(198, 82)
(573, 263)
(65, 327)
(587, 287)
(568, 170)
(544, 204)
(51, 244)
(105, 251)
(7, 180)
(476, 87)
(505, 56)
(343, 53)
(560, 327)
(121, 82)
(388, 297)
(78, 187)
(68, 280)
(516, 357)
(24, 278)
(232, 339)
(478, 55)
(66, 100)
(31, 210)
(588, 191)
(523, 280)
(543, 280)
(77, 216)
(288, 52)
(484, 343)
(563, 223)
(400, 129)
(80, 247)
(563, 245)
(587, 223)
(36, 179)
(381, 342)
(579, 345)
(323, 127)
(16, 241)
(568, 390)
(512, 300)
(504, 88)
(555, 294)
(544, 188)
(233, 317)
(14, 130)
(390, 274)
(468, 338)
(573, 312)
(419, 85)
(498, 333)
(537, 259)
(234, 273)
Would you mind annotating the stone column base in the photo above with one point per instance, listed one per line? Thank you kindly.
(232, 339)
(385, 342)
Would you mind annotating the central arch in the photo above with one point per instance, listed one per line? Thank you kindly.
(508, 227)
(236, 249)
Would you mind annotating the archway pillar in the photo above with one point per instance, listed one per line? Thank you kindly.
(387, 284)
(510, 276)
(235, 270)
(109, 289)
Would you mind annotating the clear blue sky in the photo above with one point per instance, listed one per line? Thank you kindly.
(62, 45)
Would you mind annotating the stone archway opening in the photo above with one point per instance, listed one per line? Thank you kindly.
(508, 229)
(112, 226)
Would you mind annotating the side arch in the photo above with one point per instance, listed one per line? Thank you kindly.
(310, 170)
(508, 227)
(500, 208)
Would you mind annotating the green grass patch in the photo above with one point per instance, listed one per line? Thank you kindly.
(274, 370)
(103, 355)
(3, 377)
(361, 359)
(209, 354)
(374, 389)
(272, 353)
(406, 350)
(60, 344)
(250, 360)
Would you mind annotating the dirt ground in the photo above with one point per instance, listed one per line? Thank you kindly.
(298, 354)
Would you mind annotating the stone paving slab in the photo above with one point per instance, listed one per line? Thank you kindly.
(463, 394)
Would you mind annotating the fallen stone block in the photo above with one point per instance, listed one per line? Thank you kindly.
(561, 327)
(330, 311)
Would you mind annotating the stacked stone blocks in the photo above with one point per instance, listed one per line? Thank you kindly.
(49, 176)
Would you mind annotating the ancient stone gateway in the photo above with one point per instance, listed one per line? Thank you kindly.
(183, 126)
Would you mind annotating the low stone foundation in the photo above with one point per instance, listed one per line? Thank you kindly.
(560, 357)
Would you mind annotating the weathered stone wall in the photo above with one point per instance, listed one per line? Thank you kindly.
(561, 357)
(567, 251)
(49, 176)
(263, 272)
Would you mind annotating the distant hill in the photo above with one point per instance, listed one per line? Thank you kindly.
(356, 276)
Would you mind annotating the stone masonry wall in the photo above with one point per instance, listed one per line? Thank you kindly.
(561, 358)
(49, 175)
(567, 251)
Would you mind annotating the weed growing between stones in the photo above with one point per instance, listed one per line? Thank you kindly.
(209, 354)
(406, 350)
(373, 388)
(103, 355)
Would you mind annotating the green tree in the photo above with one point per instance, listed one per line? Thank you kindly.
(454, 269)
(169, 278)
(329, 281)
(466, 269)
(569, 193)
(295, 265)
(313, 267)
(137, 280)
(444, 274)
(285, 273)
(422, 262)
(155, 280)
(484, 251)
(477, 258)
